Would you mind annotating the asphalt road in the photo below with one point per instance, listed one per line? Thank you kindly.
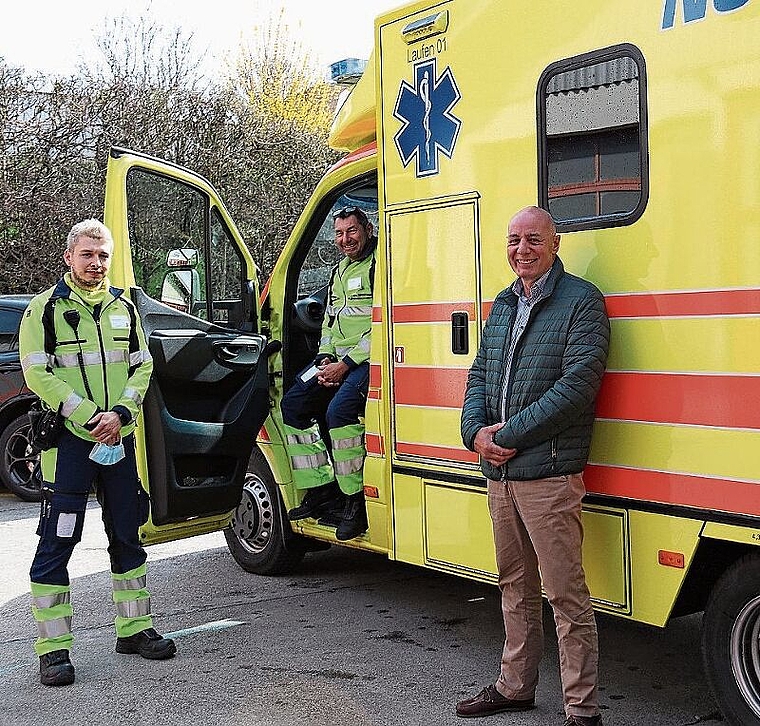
(351, 638)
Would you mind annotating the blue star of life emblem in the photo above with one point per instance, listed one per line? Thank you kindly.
(428, 126)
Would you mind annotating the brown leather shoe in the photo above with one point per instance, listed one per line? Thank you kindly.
(573, 720)
(490, 701)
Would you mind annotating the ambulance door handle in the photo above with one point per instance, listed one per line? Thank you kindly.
(460, 333)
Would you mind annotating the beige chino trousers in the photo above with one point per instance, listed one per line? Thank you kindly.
(537, 526)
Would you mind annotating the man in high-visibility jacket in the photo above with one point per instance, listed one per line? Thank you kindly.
(83, 352)
(335, 386)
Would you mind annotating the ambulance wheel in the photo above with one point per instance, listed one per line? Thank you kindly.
(731, 642)
(259, 537)
(19, 470)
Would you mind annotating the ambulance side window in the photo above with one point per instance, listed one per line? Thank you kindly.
(593, 168)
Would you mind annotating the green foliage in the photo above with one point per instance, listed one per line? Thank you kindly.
(259, 135)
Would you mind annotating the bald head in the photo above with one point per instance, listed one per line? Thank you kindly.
(532, 244)
(536, 215)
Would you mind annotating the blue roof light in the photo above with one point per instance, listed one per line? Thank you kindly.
(348, 70)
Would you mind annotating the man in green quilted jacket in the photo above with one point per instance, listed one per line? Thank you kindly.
(528, 412)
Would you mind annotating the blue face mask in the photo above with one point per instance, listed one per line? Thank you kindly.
(107, 455)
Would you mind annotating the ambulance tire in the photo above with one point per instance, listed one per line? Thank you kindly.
(260, 537)
(731, 642)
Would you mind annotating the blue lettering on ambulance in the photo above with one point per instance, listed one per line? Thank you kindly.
(696, 10)
(726, 6)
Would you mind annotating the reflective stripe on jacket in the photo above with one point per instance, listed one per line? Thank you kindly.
(108, 345)
(348, 317)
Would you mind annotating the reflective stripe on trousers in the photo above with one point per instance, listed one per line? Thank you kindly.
(349, 452)
(52, 611)
(308, 457)
(132, 601)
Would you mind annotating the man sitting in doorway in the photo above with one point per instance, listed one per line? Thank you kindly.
(335, 387)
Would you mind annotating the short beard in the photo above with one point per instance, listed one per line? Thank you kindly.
(86, 284)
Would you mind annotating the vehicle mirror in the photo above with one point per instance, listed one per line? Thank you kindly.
(185, 258)
(179, 288)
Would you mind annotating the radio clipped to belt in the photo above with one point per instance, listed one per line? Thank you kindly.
(46, 426)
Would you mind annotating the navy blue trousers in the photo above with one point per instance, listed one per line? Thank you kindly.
(123, 501)
(342, 406)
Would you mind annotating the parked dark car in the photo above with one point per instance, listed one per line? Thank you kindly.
(17, 459)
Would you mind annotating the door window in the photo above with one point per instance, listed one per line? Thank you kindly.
(226, 275)
(309, 275)
(183, 253)
(323, 254)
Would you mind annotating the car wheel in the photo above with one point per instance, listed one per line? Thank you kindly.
(19, 470)
(731, 642)
(259, 537)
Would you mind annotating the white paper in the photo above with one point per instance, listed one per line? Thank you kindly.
(306, 376)
(66, 523)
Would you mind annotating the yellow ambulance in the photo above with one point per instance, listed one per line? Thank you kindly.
(637, 125)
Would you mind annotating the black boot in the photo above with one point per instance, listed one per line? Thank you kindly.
(332, 512)
(354, 520)
(148, 644)
(56, 669)
(316, 501)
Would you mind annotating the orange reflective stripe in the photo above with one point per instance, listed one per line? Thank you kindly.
(374, 444)
(437, 387)
(698, 302)
(436, 452)
(724, 495)
(696, 399)
(439, 312)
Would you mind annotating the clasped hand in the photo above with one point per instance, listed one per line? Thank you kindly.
(490, 451)
(107, 427)
(331, 375)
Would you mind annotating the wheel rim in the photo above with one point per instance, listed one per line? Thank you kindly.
(745, 653)
(253, 521)
(20, 459)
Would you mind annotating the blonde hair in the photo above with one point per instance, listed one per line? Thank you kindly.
(92, 228)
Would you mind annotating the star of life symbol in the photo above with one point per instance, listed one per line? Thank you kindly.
(424, 110)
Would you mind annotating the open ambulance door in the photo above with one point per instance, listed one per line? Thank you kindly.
(185, 266)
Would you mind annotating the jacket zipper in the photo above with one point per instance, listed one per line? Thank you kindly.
(506, 383)
(96, 314)
(344, 302)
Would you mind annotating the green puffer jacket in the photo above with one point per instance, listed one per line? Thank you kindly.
(554, 380)
(113, 350)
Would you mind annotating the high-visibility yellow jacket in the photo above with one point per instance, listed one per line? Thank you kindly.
(348, 316)
(85, 359)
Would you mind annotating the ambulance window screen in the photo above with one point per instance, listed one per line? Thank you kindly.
(592, 139)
